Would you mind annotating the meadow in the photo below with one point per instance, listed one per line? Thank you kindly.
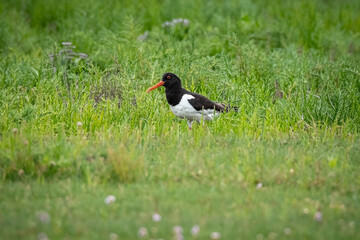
(85, 153)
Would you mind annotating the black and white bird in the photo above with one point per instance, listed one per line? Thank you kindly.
(189, 105)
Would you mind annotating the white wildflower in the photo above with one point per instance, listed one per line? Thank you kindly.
(42, 236)
(113, 236)
(195, 230)
(215, 235)
(142, 232)
(43, 216)
(83, 55)
(287, 231)
(178, 230)
(318, 216)
(110, 199)
(186, 22)
(143, 37)
(156, 217)
(66, 43)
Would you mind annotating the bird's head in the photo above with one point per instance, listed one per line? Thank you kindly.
(167, 80)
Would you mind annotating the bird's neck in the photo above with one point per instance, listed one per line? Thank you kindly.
(174, 94)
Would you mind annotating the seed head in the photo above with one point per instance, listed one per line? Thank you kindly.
(15, 131)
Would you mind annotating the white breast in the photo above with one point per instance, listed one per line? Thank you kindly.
(184, 110)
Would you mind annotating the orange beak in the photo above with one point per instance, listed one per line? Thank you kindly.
(159, 84)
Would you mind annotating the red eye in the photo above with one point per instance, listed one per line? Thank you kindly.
(168, 77)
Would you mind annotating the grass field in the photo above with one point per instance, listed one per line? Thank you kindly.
(85, 153)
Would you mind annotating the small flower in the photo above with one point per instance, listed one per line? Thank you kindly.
(66, 52)
(144, 36)
(186, 22)
(176, 21)
(66, 43)
(215, 235)
(110, 199)
(42, 236)
(142, 232)
(178, 230)
(113, 236)
(166, 24)
(156, 217)
(83, 55)
(287, 231)
(79, 124)
(43, 216)
(318, 216)
(195, 230)
(259, 185)
(179, 237)
(291, 170)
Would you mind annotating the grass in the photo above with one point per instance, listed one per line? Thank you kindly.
(76, 124)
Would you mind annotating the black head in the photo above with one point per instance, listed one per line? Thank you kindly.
(171, 80)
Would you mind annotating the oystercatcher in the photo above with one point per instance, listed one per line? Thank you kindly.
(189, 105)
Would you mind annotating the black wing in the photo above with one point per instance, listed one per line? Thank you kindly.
(200, 102)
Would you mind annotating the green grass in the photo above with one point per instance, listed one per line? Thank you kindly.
(73, 131)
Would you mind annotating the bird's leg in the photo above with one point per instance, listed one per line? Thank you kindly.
(189, 123)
